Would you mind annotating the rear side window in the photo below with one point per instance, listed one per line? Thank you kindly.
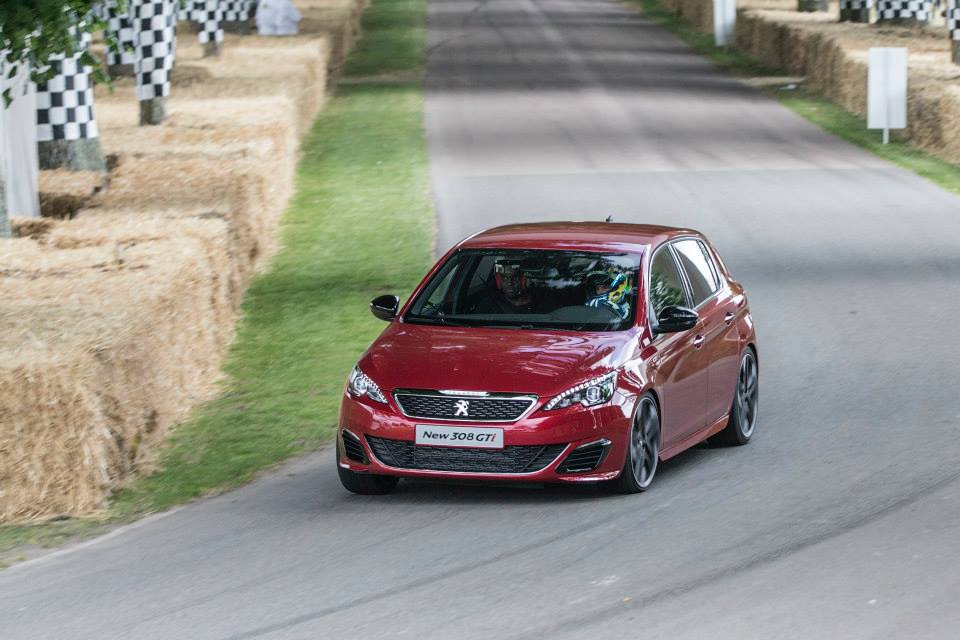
(666, 284)
(699, 270)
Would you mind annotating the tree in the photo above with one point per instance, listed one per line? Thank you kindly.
(67, 134)
(953, 25)
(208, 14)
(154, 27)
(905, 13)
(855, 10)
(119, 27)
(813, 5)
(4, 223)
(32, 32)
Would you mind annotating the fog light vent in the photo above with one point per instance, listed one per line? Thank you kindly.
(586, 457)
(352, 448)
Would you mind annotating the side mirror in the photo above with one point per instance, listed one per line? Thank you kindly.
(675, 319)
(385, 307)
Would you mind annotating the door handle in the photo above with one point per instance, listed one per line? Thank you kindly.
(729, 316)
(698, 341)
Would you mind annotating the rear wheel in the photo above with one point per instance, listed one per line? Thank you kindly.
(364, 483)
(743, 413)
(643, 449)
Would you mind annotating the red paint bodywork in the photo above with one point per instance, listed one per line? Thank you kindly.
(694, 386)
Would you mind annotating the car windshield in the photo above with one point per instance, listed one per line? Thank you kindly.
(531, 289)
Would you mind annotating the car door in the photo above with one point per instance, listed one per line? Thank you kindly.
(718, 331)
(678, 363)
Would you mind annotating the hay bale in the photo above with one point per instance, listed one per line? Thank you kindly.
(106, 339)
(117, 315)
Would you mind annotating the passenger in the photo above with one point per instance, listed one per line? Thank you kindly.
(609, 291)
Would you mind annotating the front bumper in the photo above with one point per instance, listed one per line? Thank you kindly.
(571, 428)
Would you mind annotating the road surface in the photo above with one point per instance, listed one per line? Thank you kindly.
(839, 520)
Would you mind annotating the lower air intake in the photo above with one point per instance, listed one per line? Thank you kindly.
(352, 448)
(585, 458)
(403, 454)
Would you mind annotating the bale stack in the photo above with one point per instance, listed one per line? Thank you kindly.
(833, 56)
(115, 318)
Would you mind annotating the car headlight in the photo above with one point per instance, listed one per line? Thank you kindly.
(361, 385)
(590, 393)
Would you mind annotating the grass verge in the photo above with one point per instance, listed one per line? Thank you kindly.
(806, 101)
(360, 224)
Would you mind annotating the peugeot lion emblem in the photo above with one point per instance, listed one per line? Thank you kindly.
(462, 408)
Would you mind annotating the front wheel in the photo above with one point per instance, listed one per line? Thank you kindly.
(643, 449)
(743, 413)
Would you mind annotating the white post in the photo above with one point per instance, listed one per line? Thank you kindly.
(724, 22)
(887, 90)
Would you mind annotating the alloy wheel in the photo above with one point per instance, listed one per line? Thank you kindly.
(747, 393)
(645, 442)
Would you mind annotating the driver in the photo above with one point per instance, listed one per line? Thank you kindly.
(511, 294)
(608, 290)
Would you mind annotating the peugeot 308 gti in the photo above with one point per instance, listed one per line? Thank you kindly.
(554, 352)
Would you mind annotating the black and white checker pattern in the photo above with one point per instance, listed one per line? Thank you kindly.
(237, 10)
(121, 28)
(855, 5)
(919, 10)
(154, 26)
(65, 102)
(208, 15)
(953, 20)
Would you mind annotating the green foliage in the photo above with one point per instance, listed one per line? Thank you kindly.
(34, 31)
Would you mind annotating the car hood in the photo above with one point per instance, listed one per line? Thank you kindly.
(416, 356)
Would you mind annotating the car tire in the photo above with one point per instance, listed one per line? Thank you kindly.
(367, 484)
(643, 449)
(743, 412)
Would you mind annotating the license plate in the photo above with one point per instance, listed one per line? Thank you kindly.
(444, 436)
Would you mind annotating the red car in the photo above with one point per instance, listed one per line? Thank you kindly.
(555, 352)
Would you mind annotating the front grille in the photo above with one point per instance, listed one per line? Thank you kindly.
(585, 458)
(352, 447)
(426, 404)
(403, 454)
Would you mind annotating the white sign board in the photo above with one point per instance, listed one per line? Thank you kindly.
(18, 144)
(887, 89)
(724, 21)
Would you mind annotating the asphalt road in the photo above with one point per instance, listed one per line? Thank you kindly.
(839, 520)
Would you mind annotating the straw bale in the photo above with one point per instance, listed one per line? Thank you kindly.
(105, 345)
(117, 313)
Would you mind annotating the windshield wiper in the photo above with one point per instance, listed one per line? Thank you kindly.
(437, 320)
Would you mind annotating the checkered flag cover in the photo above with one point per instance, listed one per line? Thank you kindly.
(121, 28)
(154, 25)
(237, 10)
(919, 10)
(209, 16)
(953, 20)
(855, 5)
(65, 101)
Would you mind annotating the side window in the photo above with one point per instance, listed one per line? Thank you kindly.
(703, 281)
(666, 285)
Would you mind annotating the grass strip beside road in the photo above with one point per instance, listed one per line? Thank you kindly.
(805, 101)
(360, 224)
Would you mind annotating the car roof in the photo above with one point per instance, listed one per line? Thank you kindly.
(589, 236)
